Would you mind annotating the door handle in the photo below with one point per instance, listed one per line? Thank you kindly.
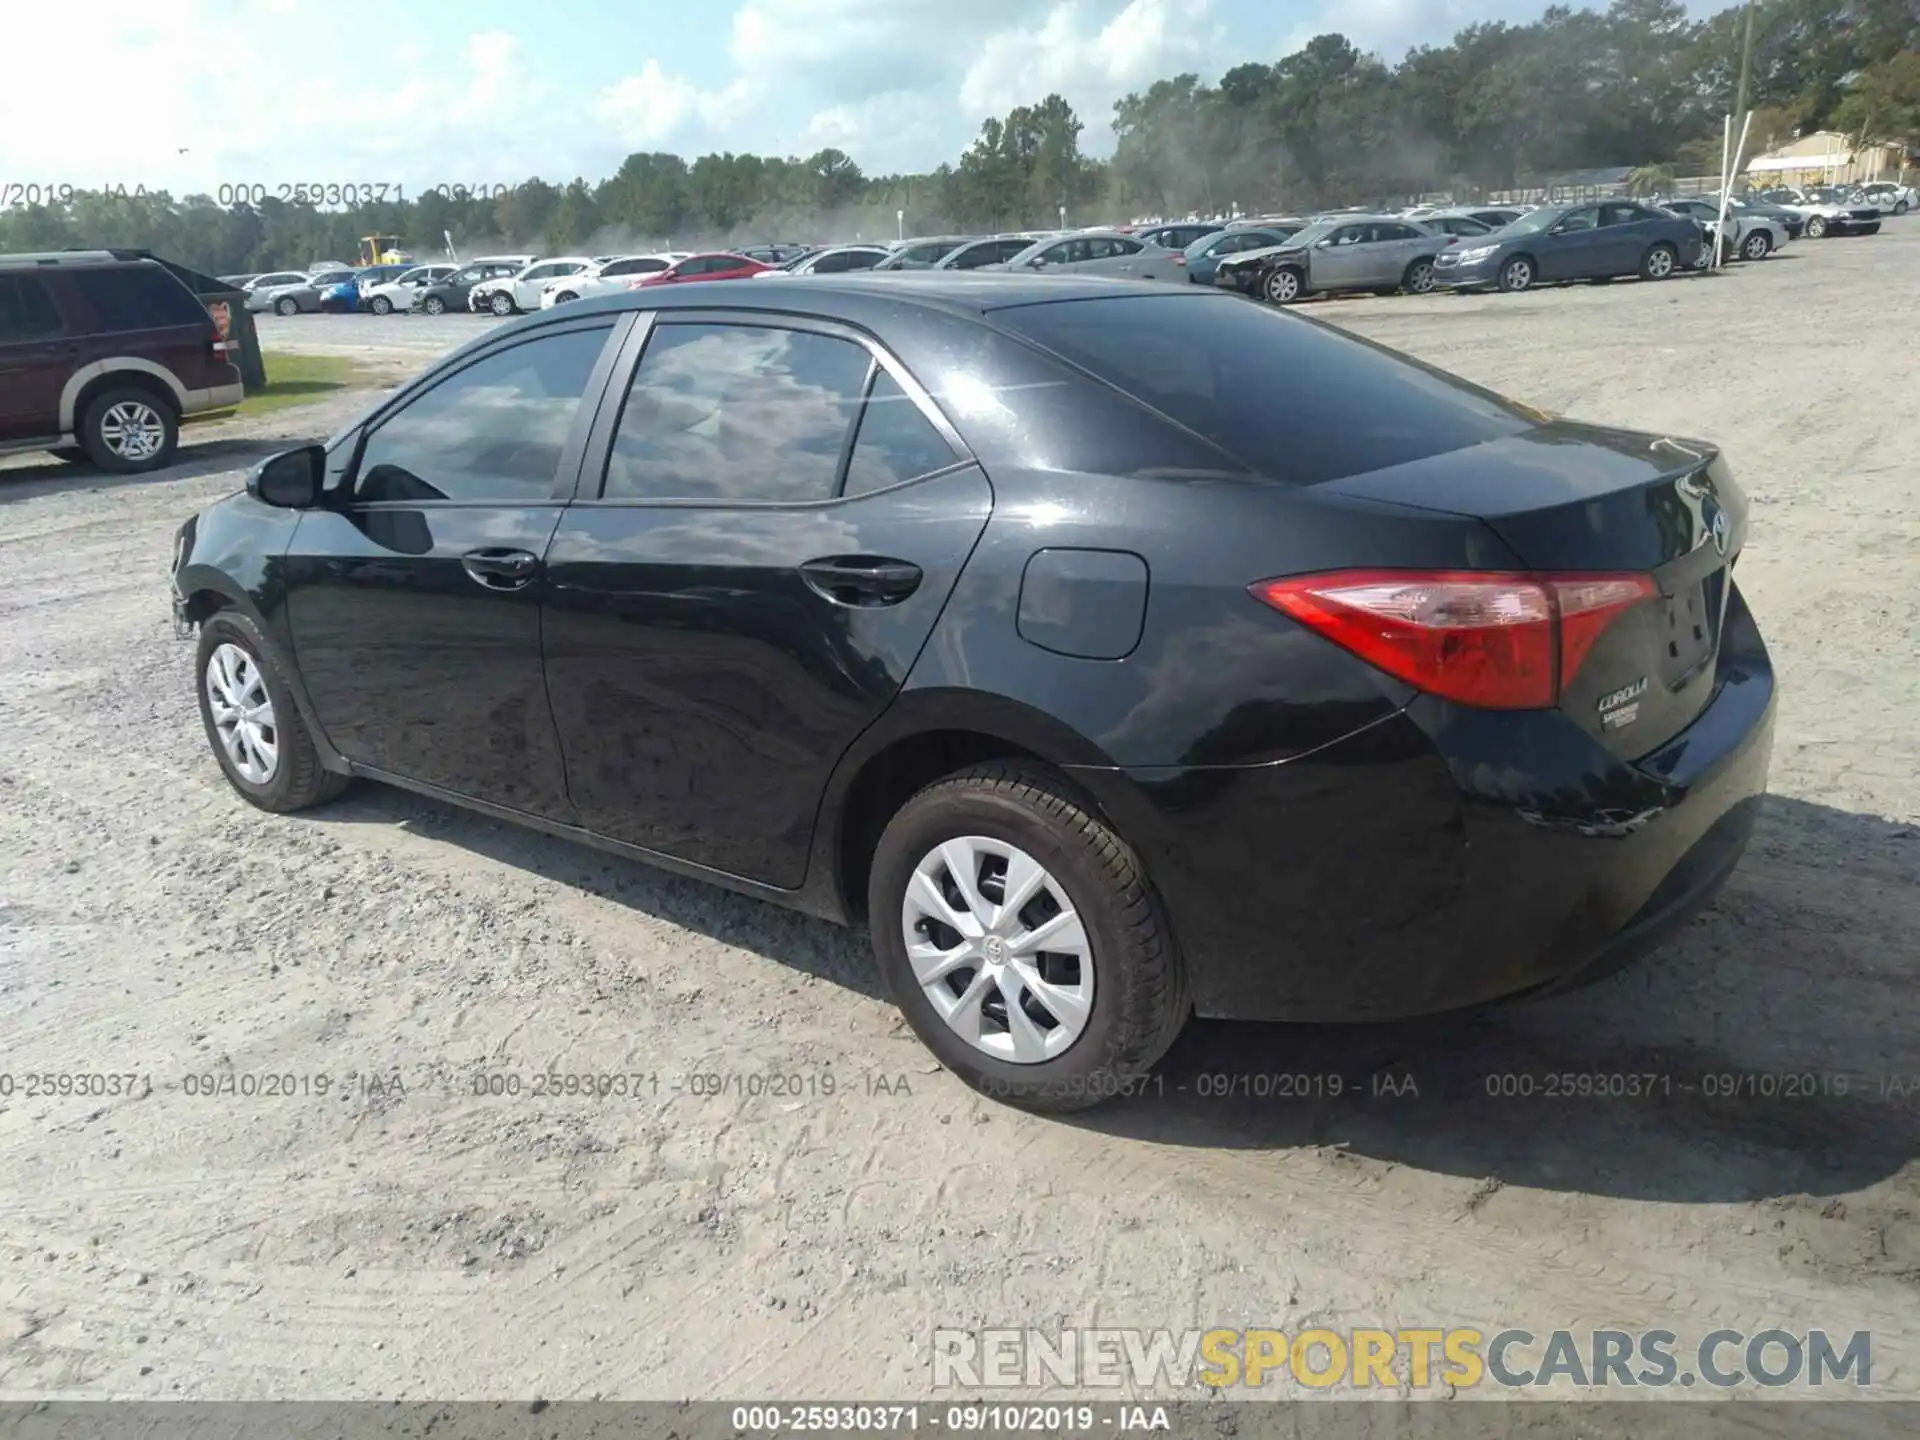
(499, 569)
(863, 580)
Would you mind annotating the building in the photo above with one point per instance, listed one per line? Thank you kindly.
(1826, 157)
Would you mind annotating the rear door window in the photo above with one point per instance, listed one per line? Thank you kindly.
(1288, 398)
(731, 413)
(26, 309)
(138, 297)
(896, 442)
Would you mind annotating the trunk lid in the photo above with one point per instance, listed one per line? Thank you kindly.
(1577, 498)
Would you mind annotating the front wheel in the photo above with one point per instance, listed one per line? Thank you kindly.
(252, 723)
(1756, 245)
(286, 305)
(1658, 263)
(434, 305)
(380, 305)
(1419, 278)
(1282, 286)
(501, 303)
(564, 296)
(1901, 207)
(1021, 940)
(1816, 227)
(1516, 275)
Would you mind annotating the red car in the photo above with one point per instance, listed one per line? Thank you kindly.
(716, 266)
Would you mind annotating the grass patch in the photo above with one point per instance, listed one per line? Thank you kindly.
(295, 379)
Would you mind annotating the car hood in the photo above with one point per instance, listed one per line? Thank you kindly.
(1264, 252)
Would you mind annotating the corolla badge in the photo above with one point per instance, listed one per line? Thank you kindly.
(1621, 707)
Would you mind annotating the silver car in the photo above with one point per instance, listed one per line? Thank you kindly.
(1100, 252)
(1382, 253)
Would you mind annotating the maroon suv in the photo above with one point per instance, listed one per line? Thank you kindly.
(102, 357)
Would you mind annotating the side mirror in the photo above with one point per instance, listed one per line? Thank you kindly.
(1038, 262)
(290, 480)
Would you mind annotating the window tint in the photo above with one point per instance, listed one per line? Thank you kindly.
(1351, 235)
(138, 297)
(1578, 220)
(26, 310)
(834, 264)
(736, 412)
(896, 441)
(1124, 247)
(1286, 397)
(492, 432)
(1621, 214)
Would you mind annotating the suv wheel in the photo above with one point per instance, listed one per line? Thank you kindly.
(1020, 938)
(252, 723)
(501, 303)
(128, 430)
(286, 305)
(434, 305)
(380, 305)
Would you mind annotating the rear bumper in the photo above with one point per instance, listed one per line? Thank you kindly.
(1378, 878)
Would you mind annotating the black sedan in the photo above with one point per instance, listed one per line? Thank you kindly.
(1011, 618)
(451, 293)
(1574, 242)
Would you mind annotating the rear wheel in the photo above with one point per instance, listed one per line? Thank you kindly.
(252, 722)
(1756, 245)
(1419, 278)
(380, 305)
(1517, 274)
(286, 305)
(1658, 263)
(129, 430)
(1816, 226)
(1900, 207)
(1282, 286)
(1021, 940)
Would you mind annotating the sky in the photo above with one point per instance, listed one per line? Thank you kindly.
(191, 95)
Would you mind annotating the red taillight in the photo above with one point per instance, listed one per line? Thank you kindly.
(1496, 640)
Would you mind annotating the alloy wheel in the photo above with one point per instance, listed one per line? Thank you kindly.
(1757, 245)
(998, 949)
(242, 711)
(133, 430)
(1518, 275)
(435, 305)
(1659, 264)
(500, 303)
(1816, 227)
(1283, 287)
(1420, 278)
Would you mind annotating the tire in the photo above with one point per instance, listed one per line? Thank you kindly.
(1130, 976)
(434, 305)
(1816, 226)
(286, 305)
(1659, 263)
(564, 296)
(1517, 274)
(129, 430)
(380, 305)
(1282, 286)
(1756, 246)
(1419, 278)
(501, 303)
(1900, 207)
(296, 779)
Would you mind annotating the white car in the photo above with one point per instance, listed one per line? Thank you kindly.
(522, 291)
(397, 293)
(1828, 216)
(259, 296)
(606, 277)
(1891, 199)
(1751, 236)
(834, 260)
(1099, 252)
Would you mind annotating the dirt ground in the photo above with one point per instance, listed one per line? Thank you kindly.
(402, 1236)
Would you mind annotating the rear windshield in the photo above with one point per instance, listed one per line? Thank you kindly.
(1288, 398)
(138, 297)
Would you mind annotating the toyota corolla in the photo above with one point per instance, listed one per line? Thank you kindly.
(1112, 657)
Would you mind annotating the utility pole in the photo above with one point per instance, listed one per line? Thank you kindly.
(1746, 63)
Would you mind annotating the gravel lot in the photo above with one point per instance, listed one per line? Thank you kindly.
(413, 1240)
